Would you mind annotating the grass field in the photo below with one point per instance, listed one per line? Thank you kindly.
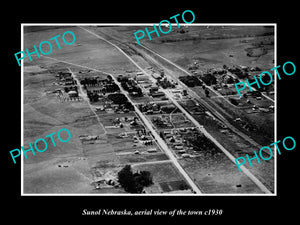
(165, 177)
(214, 176)
(214, 52)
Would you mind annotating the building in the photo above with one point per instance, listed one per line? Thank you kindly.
(263, 109)
(152, 150)
(153, 89)
(156, 76)
(178, 147)
(185, 155)
(73, 94)
(157, 94)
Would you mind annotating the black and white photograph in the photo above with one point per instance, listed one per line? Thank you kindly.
(126, 113)
(160, 116)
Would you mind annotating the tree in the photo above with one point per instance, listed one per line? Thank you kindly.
(126, 179)
(118, 98)
(230, 80)
(207, 93)
(144, 178)
(209, 79)
(266, 79)
(134, 182)
(183, 186)
(124, 174)
(108, 77)
(161, 134)
(233, 101)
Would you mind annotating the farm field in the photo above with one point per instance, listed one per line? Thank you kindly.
(216, 178)
(166, 179)
(216, 48)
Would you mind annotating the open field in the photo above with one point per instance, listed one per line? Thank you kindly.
(214, 46)
(213, 177)
(44, 114)
(165, 178)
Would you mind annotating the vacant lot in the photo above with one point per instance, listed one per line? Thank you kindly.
(165, 178)
(44, 114)
(218, 175)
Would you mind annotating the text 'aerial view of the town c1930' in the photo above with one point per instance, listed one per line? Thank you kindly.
(162, 117)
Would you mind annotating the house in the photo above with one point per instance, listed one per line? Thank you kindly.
(150, 150)
(157, 94)
(130, 118)
(143, 78)
(123, 135)
(176, 91)
(237, 120)
(185, 155)
(178, 147)
(73, 94)
(168, 135)
(99, 108)
(182, 151)
(263, 109)
(153, 89)
(167, 132)
(156, 76)
(109, 110)
(89, 138)
(133, 123)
